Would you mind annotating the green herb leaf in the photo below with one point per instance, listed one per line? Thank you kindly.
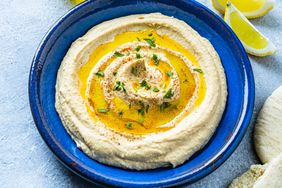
(134, 71)
(119, 86)
(145, 85)
(155, 89)
(128, 125)
(150, 34)
(185, 81)
(138, 38)
(102, 110)
(138, 48)
(164, 106)
(151, 42)
(198, 70)
(100, 74)
(118, 54)
(169, 94)
(142, 109)
(122, 85)
(155, 59)
(170, 74)
(138, 56)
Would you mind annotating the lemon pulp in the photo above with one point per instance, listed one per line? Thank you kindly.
(246, 32)
(245, 5)
(77, 1)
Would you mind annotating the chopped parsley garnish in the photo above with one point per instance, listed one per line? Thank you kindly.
(118, 54)
(128, 125)
(119, 86)
(145, 85)
(120, 113)
(151, 42)
(164, 106)
(185, 81)
(100, 74)
(138, 38)
(138, 48)
(169, 94)
(134, 71)
(142, 109)
(138, 56)
(102, 110)
(155, 89)
(163, 86)
(198, 70)
(155, 59)
(114, 73)
(150, 34)
(170, 74)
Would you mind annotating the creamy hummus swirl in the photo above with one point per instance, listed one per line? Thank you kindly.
(141, 91)
(123, 68)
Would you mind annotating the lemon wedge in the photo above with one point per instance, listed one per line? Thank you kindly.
(77, 1)
(250, 8)
(254, 42)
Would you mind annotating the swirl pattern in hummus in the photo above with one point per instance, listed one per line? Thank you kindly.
(141, 91)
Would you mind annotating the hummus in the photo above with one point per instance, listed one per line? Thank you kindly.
(141, 91)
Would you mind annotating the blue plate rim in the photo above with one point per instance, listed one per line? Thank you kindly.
(79, 168)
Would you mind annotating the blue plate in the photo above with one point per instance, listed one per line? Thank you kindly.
(74, 24)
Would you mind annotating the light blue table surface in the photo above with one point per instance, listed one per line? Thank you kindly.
(25, 160)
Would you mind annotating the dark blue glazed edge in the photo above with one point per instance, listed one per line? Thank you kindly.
(79, 168)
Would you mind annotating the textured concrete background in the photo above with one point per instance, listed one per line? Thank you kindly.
(25, 160)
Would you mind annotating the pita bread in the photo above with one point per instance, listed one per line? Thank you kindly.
(268, 128)
(249, 178)
(261, 176)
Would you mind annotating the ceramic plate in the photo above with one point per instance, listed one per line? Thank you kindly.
(74, 24)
